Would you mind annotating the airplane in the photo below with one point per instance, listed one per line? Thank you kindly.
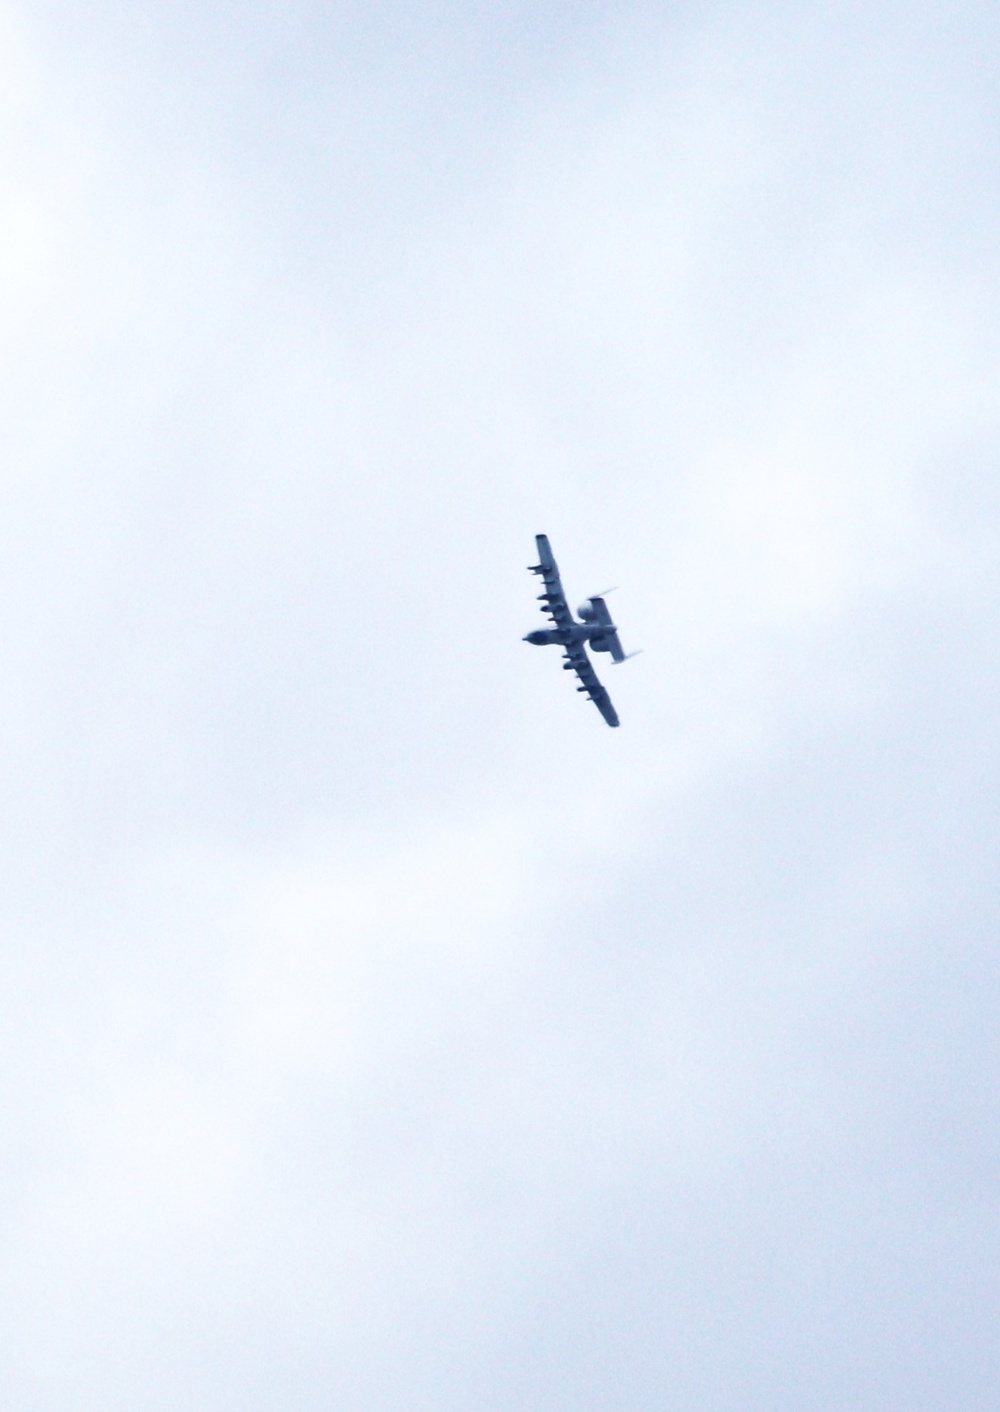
(595, 626)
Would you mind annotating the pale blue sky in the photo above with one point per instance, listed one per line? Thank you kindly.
(380, 1031)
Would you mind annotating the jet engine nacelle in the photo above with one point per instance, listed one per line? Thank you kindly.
(586, 612)
(599, 644)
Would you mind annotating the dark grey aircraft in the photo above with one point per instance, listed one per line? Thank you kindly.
(595, 626)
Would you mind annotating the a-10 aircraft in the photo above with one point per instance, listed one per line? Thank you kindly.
(595, 627)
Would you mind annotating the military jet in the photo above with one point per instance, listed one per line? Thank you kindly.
(595, 626)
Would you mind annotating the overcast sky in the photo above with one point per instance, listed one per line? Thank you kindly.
(380, 1032)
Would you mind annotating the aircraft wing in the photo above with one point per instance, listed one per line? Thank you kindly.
(576, 657)
(553, 599)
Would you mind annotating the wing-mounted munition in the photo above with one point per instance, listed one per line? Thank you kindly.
(592, 625)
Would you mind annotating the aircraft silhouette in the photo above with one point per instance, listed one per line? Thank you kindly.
(594, 627)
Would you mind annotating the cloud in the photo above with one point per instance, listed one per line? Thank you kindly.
(379, 1029)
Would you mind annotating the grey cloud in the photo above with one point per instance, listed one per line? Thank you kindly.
(378, 1030)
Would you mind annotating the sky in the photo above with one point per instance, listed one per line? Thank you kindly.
(379, 1031)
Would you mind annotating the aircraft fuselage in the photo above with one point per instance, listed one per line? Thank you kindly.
(562, 637)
